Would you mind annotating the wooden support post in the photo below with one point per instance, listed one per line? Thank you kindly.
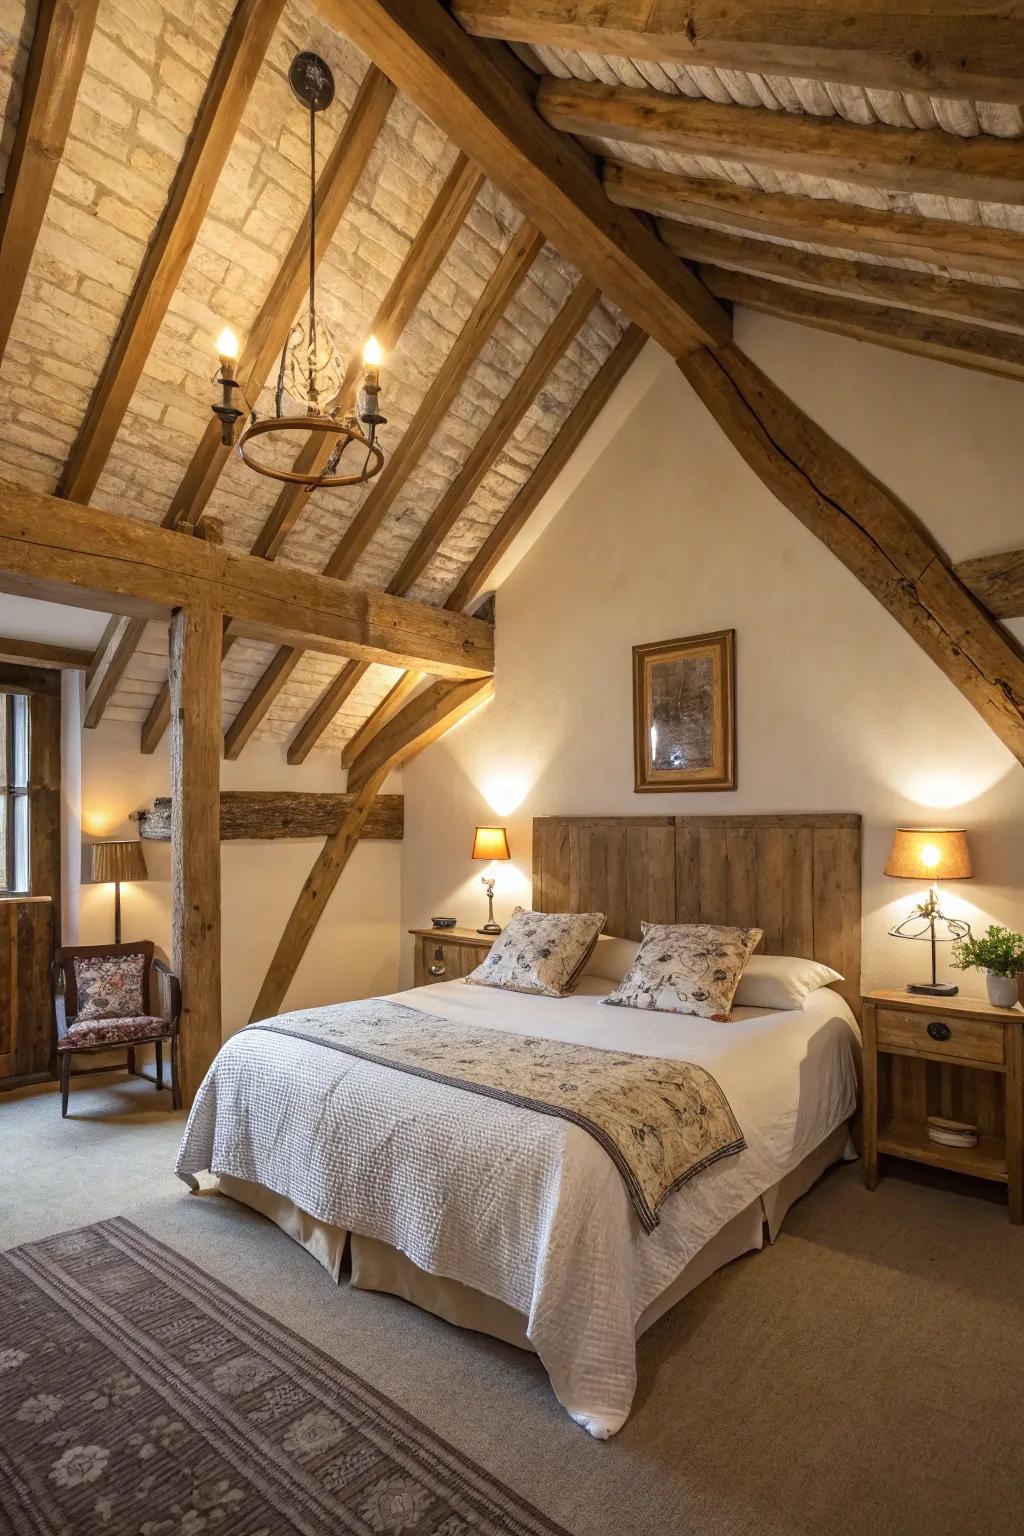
(195, 643)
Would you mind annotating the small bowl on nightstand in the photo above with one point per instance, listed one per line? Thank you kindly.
(443, 922)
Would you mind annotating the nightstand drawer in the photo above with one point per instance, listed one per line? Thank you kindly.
(941, 1035)
(448, 954)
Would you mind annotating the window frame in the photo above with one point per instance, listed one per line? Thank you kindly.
(43, 687)
(18, 859)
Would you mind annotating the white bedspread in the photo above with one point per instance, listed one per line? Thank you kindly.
(524, 1207)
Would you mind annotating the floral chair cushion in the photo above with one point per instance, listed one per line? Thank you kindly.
(121, 1032)
(109, 986)
(690, 968)
(540, 952)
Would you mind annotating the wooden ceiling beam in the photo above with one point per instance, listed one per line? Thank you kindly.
(334, 187)
(923, 45)
(473, 582)
(271, 815)
(432, 243)
(997, 581)
(902, 159)
(903, 330)
(866, 527)
(930, 292)
(234, 74)
(425, 719)
(462, 88)
(56, 62)
(61, 552)
(523, 249)
(817, 221)
(39, 653)
(482, 456)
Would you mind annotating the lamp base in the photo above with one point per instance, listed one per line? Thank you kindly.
(933, 988)
(489, 928)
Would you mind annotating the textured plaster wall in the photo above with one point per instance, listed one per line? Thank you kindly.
(670, 534)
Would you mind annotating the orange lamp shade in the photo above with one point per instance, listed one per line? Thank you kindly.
(490, 843)
(929, 853)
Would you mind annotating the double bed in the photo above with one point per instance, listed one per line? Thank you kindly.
(518, 1223)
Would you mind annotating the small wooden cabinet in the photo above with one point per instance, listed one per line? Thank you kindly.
(951, 1056)
(446, 954)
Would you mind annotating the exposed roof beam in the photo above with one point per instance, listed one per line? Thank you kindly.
(923, 45)
(270, 329)
(38, 653)
(432, 243)
(997, 581)
(238, 63)
(483, 454)
(265, 815)
(818, 221)
(904, 159)
(474, 579)
(55, 64)
(591, 403)
(461, 89)
(904, 330)
(931, 292)
(109, 663)
(62, 552)
(424, 719)
(866, 527)
(519, 256)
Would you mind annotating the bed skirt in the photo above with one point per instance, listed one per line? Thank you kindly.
(377, 1266)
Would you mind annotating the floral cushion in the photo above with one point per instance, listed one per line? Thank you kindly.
(113, 1032)
(109, 986)
(686, 968)
(540, 952)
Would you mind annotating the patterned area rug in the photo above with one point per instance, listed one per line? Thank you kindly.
(138, 1397)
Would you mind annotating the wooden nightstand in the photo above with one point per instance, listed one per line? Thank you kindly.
(445, 954)
(951, 1056)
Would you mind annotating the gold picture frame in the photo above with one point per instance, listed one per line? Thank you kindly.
(684, 714)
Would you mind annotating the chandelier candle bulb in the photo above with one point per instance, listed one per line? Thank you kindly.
(225, 410)
(227, 347)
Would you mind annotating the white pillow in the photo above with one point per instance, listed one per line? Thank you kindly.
(781, 981)
(611, 958)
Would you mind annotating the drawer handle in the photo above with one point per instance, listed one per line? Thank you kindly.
(938, 1030)
(438, 968)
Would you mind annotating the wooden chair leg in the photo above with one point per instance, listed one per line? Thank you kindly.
(65, 1082)
(159, 1064)
(175, 1079)
(131, 1060)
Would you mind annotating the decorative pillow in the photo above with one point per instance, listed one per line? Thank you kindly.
(611, 958)
(781, 981)
(686, 968)
(540, 952)
(109, 986)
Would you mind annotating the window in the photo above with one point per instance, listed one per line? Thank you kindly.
(14, 793)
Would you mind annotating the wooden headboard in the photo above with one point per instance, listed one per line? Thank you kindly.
(797, 877)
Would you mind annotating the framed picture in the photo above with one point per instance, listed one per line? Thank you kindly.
(684, 713)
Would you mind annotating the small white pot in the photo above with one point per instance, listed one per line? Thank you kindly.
(1002, 990)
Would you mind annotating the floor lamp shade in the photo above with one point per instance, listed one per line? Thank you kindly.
(114, 862)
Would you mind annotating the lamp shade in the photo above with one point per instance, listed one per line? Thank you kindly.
(491, 843)
(117, 861)
(929, 853)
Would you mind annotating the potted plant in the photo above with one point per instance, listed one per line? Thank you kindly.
(1000, 954)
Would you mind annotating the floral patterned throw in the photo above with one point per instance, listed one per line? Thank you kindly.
(139, 1397)
(109, 986)
(541, 952)
(661, 1122)
(690, 968)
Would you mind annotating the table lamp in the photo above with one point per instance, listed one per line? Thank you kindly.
(932, 854)
(490, 843)
(116, 862)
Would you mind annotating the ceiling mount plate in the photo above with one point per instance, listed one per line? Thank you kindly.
(311, 80)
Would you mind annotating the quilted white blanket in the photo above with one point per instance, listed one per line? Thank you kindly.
(526, 1208)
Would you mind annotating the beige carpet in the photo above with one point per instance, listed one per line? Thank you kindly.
(863, 1375)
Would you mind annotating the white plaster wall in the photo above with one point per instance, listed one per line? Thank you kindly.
(669, 534)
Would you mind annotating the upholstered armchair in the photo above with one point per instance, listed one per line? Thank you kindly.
(115, 996)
